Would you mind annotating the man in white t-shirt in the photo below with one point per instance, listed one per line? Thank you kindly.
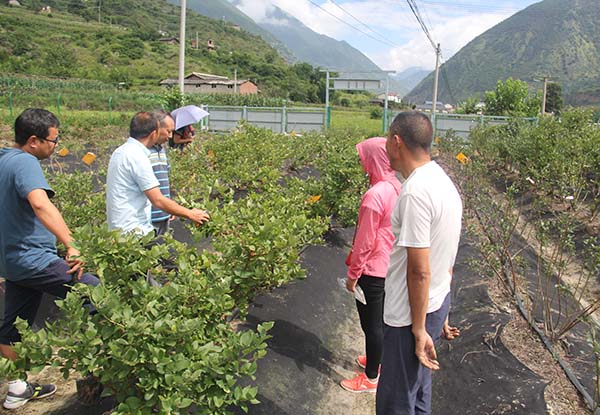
(426, 223)
(132, 187)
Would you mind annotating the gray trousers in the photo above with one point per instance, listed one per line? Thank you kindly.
(404, 384)
(162, 227)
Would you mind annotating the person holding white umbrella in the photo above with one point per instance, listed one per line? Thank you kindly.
(184, 131)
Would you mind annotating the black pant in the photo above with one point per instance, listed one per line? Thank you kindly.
(22, 298)
(371, 321)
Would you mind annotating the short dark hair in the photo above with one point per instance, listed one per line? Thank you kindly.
(414, 128)
(143, 124)
(34, 121)
(161, 116)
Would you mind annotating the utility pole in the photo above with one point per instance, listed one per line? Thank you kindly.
(544, 78)
(385, 104)
(196, 40)
(544, 95)
(435, 86)
(327, 110)
(235, 81)
(182, 47)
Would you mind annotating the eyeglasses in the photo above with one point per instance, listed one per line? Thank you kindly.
(55, 141)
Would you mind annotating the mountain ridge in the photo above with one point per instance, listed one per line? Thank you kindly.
(294, 40)
(555, 38)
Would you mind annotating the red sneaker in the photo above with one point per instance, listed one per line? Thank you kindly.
(362, 360)
(359, 384)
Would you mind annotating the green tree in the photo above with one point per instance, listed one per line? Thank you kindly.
(511, 98)
(469, 106)
(554, 101)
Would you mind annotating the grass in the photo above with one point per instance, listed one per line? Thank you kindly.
(356, 119)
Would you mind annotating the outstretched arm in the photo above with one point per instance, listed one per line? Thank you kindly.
(174, 208)
(51, 218)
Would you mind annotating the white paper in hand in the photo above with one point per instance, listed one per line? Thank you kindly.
(359, 295)
(358, 292)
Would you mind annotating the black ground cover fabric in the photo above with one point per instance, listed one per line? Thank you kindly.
(479, 376)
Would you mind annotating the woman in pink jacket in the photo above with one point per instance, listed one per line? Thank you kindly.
(369, 258)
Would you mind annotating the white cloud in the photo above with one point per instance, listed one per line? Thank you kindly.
(260, 11)
(450, 25)
(452, 34)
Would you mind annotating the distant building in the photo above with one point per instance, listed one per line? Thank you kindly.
(440, 107)
(204, 83)
(392, 97)
(236, 27)
(13, 3)
(46, 10)
(169, 40)
(210, 45)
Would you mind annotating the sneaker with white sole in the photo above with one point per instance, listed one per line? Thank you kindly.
(362, 361)
(359, 384)
(32, 391)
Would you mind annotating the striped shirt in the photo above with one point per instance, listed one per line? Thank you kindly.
(160, 165)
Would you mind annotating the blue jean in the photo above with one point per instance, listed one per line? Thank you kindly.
(404, 384)
(22, 298)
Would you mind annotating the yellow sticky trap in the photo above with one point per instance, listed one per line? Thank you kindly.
(211, 154)
(437, 140)
(313, 199)
(89, 158)
(462, 158)
(63, 152)
(293, 133)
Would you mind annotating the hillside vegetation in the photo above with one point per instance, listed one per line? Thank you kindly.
(555, 38)
(125, 47)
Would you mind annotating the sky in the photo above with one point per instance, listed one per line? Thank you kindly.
(387, 31)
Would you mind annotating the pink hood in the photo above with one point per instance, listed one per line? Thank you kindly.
(374, 238)
(374, 160)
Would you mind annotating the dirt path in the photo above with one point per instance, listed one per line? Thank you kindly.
(315, 340)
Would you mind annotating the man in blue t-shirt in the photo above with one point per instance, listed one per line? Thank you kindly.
(30, 225)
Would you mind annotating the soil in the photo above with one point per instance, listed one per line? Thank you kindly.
(560, 395)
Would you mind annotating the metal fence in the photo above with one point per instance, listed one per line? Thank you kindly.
(277, 119)
(462, 124)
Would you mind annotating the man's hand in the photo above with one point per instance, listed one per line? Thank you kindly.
(425, 349)
(75, 263)
(450, 332)
(350, 284)
(199, 216)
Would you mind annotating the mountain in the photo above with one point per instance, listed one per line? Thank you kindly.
(556, 38)
(312, 47)
(290, 34)
(223, 10)
(410, 78)
(125, 48)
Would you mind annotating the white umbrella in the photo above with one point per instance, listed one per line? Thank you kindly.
(190, 114)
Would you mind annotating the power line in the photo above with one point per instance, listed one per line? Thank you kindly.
(348, 24)
(445, 76)
(415, 10)
(363, 24)
(463, 5)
